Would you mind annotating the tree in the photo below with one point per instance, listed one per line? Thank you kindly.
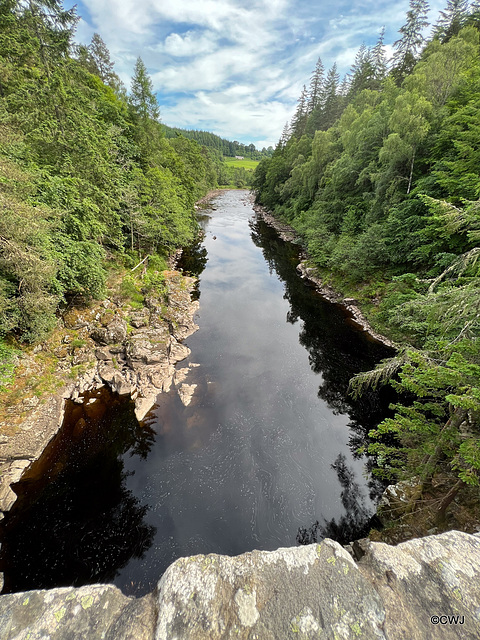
(379, 59)
(144, 105)
(408, 46)
(142, 97)
(362, 73)
(316, 86)
(299, 120)
(451, 20)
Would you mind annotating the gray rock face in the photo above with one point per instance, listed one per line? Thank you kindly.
(115, 332)
(433, 576)
(316, 592)
(89, 613)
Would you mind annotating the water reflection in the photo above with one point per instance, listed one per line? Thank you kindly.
(75, 521)
(355, 523)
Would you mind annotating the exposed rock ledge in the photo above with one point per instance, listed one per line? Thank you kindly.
(134, 352)
(310, 273)
(312, 592)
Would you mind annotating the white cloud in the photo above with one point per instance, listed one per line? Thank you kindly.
(236, 66)
(191, 43)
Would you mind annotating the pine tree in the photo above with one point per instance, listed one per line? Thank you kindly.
(286, 134)
(316, 86)
(299, 120)
(142, 98)
(362, 73)
(408, 46)
(451, 20)
(379, 59)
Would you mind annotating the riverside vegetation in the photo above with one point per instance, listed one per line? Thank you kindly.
(89, 183)
(379, 174)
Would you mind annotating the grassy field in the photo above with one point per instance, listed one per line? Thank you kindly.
(246, 164)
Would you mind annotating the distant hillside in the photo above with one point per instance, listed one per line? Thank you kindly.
(223, 146)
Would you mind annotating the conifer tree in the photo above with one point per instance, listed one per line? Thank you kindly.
(285, 137)
(316, 86)
(379, 59)
(451, 20)
(362, 73)
(408, 46)
(142, 97)
(299, 120)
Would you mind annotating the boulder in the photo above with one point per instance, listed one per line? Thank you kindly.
(425, 589)
(88, 613)
(114, 332)
(315, 591)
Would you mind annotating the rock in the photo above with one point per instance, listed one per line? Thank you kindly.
(103, 354)
(178, 351)
(120, 385)
(143, 406)
(314, 591)
(186, 392)
(114, 332)
(180, 375)
(359, 548)
(106, 371)
(88, 613)
(436, 575)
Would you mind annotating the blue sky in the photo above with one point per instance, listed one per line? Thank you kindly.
(236, 67)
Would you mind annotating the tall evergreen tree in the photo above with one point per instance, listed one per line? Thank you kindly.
(299, 120)
(408, 46)
(142, 97)
(452, 19)
(362, 74)
(316, 86)
(331, 105)
(379, 58)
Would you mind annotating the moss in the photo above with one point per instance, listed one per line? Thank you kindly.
(60, 613)
(86, 602)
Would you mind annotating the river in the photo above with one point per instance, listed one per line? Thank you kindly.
(263, 452)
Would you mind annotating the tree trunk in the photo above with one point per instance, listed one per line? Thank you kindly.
(411, 171)
(446, 501)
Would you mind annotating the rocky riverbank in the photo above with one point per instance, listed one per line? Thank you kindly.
(311, 274)
(427, 588)
(130, 347)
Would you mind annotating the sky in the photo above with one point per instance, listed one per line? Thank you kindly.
(236, 67)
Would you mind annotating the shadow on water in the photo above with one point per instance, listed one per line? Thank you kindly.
(357, 521)
(75, 522)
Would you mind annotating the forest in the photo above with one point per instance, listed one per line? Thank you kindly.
(88, 178)
(379, 175)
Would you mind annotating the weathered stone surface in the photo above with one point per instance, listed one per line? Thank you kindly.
(114, 332)
(178, 352)
(315, 591)
(432, 576)
(186, 392)
(88, 613)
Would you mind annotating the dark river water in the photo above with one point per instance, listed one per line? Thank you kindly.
(263, 456)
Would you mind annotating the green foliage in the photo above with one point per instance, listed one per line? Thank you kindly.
(384, 188)
(84, 172)
(8, 361)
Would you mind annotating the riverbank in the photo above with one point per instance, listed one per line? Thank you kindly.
(287, 233)
(129, 342)
(402, 520)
